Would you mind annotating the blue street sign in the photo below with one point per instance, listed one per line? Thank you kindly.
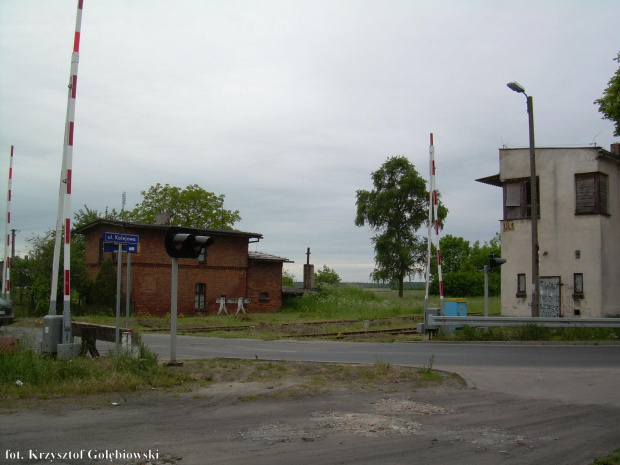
(120, 238)
(127, 248)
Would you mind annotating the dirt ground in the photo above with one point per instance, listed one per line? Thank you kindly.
(280, 413)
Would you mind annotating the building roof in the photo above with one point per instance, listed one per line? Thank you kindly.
(491, 180)
(267, 257)
(494, 180)
(163, 227)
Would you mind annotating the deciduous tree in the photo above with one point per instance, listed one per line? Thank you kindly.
(395, 209)
(609, 103)
(189, 207)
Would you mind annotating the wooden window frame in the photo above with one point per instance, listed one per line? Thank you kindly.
(591, 193)
(521, 208)
(200, 296)
(521, 285)
(578, 286)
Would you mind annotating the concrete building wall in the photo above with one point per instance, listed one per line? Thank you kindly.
(568, 243)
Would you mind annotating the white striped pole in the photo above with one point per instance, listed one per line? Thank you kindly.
(430, 226)
(6, 267)
(436, 215)
(68, 165)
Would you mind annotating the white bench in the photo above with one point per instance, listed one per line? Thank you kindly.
(240, 302)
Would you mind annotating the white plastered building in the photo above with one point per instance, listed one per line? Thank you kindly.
(578, 231)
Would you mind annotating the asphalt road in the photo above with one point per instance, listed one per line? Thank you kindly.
(580, 373)
(527, 404)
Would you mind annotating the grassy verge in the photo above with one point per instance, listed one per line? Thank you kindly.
(532, 332)
(26, 374)
(611, 459)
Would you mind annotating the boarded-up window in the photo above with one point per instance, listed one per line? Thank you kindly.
(518, 199)
(591, 194)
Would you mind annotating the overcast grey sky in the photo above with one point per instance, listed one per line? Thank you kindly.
(287, 106)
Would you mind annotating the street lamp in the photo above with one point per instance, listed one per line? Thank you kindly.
(534, 199)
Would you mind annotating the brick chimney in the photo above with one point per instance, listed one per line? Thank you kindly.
(615, 148)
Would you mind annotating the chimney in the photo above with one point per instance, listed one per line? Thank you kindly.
(615, 149)
(162, 218)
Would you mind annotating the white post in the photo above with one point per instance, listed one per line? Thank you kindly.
(6, 267)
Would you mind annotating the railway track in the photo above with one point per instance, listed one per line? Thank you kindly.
(283, 328)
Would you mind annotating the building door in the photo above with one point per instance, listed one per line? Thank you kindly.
(550, 296)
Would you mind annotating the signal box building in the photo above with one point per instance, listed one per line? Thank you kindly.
(227, 268)
(578, 231)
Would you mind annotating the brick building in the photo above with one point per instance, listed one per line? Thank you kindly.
(227, 268)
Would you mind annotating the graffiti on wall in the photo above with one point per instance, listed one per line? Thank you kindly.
(550, 297)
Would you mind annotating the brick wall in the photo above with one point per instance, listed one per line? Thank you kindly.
(228, 271)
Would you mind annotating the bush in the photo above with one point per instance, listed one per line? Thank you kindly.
(466, 284)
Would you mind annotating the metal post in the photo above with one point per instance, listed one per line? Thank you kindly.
(486, 291)
(119, 271)
(173, 312)
(128, 299)
(534, 213)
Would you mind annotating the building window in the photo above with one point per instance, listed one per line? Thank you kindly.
(263, 297)
(578, 285)
(518, 199)
(202, 258)
(200, 297)
(521, 292)
(591, 194)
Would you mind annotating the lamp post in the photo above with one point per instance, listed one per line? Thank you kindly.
(534, 199)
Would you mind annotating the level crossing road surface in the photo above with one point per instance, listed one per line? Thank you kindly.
(529, 403)
(570, 372)
(582, 373)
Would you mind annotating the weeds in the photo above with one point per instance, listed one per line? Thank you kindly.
(428, 369)
(611, 459)
(27, 374)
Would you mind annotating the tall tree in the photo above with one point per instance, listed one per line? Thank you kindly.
(609, 103)
(189, 207)
(87, 215)
(455, 252)
(395, 209)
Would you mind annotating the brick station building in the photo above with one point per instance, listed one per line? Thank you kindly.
(227, 268)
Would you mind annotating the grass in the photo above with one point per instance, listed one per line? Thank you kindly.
(26, 374)
(533, 332)
(611, 459)
(342, 309)
(334, 303)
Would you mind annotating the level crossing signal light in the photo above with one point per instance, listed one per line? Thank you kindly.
(496, 261)
(185, 243)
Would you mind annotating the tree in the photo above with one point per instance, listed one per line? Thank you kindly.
(455, 252)
(288, 278)
(609, 103)
(466, 280)
(189, 207)
(86, 215)
(395, 209)
(326, 275)
(33, 275)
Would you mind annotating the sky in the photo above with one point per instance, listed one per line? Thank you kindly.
(286, 107)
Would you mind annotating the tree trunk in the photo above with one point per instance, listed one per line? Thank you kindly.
(401, 286)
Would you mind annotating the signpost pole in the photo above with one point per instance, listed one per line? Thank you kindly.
(128, 299)
(173, 312)
(119, 271)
